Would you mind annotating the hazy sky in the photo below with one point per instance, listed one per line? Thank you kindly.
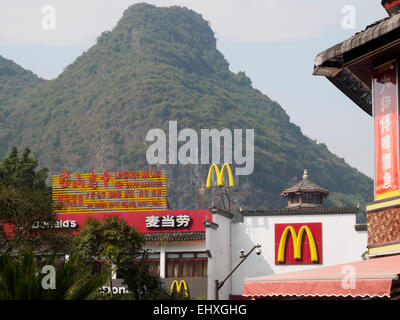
(273, 41)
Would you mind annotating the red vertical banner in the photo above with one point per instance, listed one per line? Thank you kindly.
(385, 110)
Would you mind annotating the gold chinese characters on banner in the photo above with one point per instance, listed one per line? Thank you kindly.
(110, 191)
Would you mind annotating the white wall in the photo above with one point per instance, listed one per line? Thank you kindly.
(218, 242)
(341, 243)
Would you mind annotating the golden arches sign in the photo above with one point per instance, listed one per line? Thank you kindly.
(220, 175)
(179, 287)
(297, 239)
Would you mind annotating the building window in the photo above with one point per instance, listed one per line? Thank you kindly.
(152, 262)
(186, 265)
(308, 198)
(294, 198)
(98, 266)
(318, 198)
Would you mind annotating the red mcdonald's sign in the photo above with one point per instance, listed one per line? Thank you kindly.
(298, 243)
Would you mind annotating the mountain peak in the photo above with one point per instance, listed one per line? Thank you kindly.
(169, 24)
(165, 37)
(14, 78)
(172, 35)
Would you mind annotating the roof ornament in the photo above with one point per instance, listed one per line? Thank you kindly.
(305, 174)
(391, 6)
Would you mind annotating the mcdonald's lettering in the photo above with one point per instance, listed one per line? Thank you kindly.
(298, 243)
(179, 288)
(220, 175)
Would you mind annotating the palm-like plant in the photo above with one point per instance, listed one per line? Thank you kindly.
(21, 279)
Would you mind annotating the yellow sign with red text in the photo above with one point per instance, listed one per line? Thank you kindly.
(110, 191)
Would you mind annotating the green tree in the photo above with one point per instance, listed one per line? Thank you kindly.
(26, 207)
(140, 282)
(21, 172)
(111, 239)
(21, 278)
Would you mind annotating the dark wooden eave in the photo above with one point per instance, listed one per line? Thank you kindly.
(348, 65)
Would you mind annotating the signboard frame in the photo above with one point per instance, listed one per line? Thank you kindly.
(306, 248)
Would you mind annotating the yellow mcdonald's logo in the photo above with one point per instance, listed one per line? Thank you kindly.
(297, 239)
(220, 175)
(179, 287)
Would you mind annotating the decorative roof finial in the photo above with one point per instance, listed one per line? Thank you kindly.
(391, 6)
(305, 174)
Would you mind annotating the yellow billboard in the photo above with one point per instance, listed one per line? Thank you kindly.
(110, 191)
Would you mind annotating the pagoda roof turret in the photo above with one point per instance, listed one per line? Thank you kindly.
(304, 185)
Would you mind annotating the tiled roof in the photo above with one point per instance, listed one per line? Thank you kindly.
(372, 31)
(175, 236)
(355, 82)
(304, 185)
(299, 211)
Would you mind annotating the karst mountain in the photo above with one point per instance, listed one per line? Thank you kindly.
(159, 65)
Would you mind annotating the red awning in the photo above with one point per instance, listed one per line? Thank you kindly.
(367, 278)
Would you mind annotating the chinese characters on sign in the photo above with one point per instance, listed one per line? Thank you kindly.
(385, 110)
(168, 221)
(110, 191)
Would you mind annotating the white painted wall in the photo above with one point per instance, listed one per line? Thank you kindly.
(218, 242)
(341, 243)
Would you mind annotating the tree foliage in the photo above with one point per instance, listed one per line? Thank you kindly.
(25, 202)
(111, 238)
(14, 80)
(119, 245)
(140, 282)
(21, 278)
